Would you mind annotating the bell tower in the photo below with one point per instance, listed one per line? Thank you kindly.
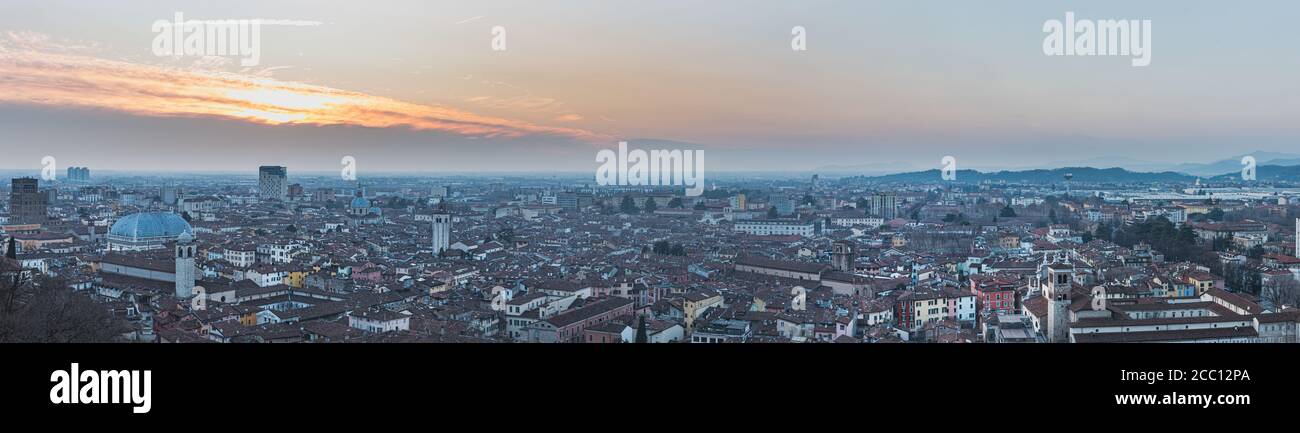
(1060, 277)
(441, 229)
(842, 256)
(185, 250)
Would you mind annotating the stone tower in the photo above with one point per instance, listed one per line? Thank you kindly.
(441, 229)
(185, 250)
(1057, 291)
(843, 256)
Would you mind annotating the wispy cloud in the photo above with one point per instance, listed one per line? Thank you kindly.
(510, 97)
(36, 70)
(470, 20)
(295, 23)
(264, 21)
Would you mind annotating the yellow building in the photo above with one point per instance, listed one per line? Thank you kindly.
(1204, 281)
(898, 241)
(696, 303)
(296, 279)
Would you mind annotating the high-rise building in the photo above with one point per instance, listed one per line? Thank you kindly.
(784, 205)
(321, 195)
(441, 229)
(78, 174)
(27, 204)
(884, 205)
(573, 200)
(273, 180)
(185, 266)
(738, 201)
(170, 195)
(296, 191)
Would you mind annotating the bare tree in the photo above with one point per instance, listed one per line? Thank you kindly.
(1281, 292)
(45, 310)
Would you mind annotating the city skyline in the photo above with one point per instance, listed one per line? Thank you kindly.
(335, 210)
(880, 83)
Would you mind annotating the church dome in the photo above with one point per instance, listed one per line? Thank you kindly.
(150, 225)
(360, 203)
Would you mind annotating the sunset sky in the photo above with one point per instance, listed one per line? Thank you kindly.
(415, 85)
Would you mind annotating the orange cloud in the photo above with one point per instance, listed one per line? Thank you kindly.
(34, 70)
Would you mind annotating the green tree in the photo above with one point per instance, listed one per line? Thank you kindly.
(506, 235)
(628, 206)
(1215, 214)
(1102, 232)
(650, 205)
(771, 212)
(675, 203)
(1007, 212)
(660, 247)
(641, 335)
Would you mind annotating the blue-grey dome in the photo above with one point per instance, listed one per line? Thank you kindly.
(151, 225)
(360, 203)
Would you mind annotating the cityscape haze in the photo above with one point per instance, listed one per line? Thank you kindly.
(534, 172)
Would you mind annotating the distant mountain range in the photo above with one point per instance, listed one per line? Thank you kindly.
(872, 169)
(1079, 174)
(1234, 164)
(1271, 166)
(1215, 168)
(1265, 173)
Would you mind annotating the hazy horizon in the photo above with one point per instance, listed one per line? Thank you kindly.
(416, 87)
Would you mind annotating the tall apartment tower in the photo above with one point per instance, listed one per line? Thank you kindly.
(27, 205)
(884, 205)
(738, 202)
(78, 174)
(843, 256)
(274, 182)
(185, 250)
(441, 229)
